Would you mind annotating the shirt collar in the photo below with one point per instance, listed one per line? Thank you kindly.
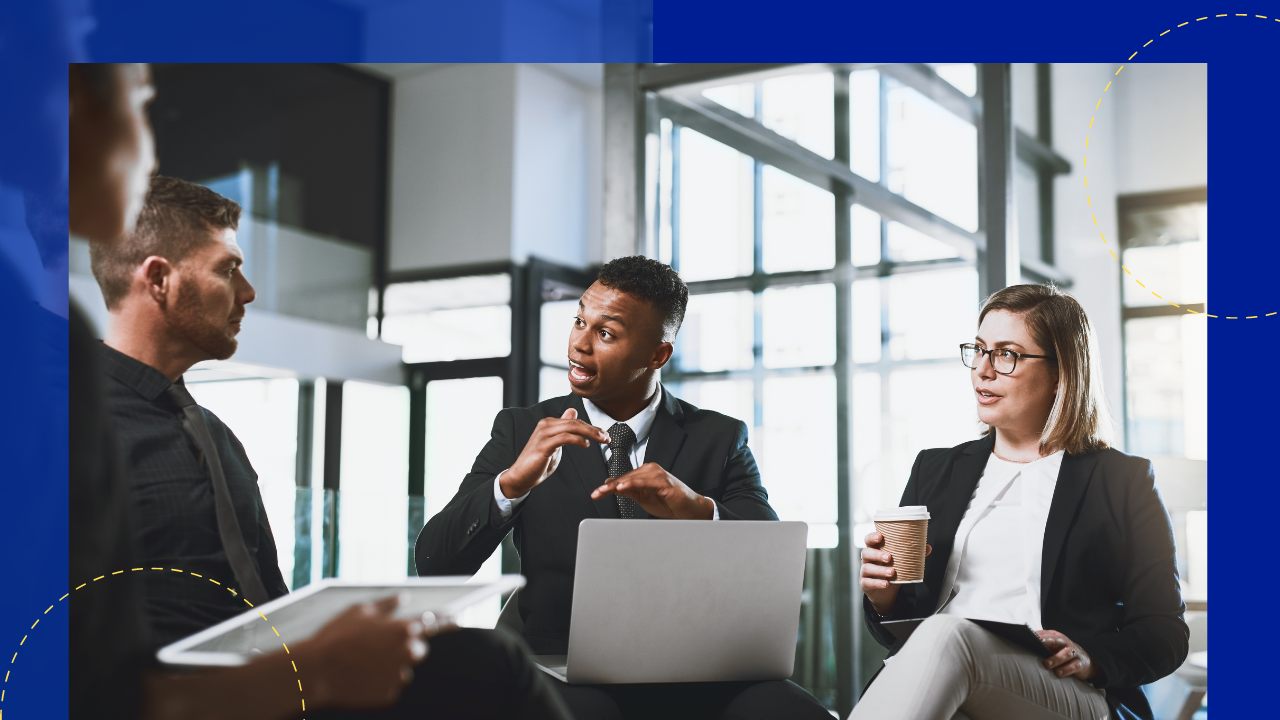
(147, 381)
(641, 424)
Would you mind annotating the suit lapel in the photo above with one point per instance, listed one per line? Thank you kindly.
(946, 510)
(1073, 478)
(588, 464)
(666, 437)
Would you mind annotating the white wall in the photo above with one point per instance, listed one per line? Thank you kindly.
(1078, 249)
(452, 142)
(496, 162)
(556, 194)
(1163, 122)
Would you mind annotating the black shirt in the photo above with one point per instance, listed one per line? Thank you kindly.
(174, 519)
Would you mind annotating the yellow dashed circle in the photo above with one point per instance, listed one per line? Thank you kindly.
(14, 659)
(1085, 164)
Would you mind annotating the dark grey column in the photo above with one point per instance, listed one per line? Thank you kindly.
(998, 265)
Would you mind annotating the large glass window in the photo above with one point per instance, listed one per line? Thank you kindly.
(829, 329)
(452, 319)
(262, 412)
(373, 506)
(460, 416)
(1166, 351)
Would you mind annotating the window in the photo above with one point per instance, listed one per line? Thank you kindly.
(262, 412)
(1163, 241)
(450, 319)
(460, 414)
(828, 229)
(1166, 347)
(373, 506)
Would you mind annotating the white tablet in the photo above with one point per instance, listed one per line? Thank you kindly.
(297, 616)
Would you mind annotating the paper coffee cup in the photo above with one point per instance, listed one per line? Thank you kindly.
(905, 530)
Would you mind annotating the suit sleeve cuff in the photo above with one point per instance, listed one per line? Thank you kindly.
(506, 506)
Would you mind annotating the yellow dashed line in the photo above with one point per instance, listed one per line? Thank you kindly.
(23, 641)
(1113, 254)
(1090, 123)
(1229, 317)
(1206, 17)
(120, 571)
(1095, 220)
(1153, 292)
(1138, 281)
(1086, 141)
(1172, 303)
(1104, 239)
(1270, 314)
(1251, 317)
(1149, 42)
(1126, 270)
(1135, 52)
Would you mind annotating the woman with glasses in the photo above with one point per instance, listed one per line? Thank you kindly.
(1038, 523)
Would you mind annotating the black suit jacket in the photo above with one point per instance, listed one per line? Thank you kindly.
(1109, 580)
(706, 450)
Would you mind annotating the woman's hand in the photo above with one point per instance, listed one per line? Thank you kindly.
(1070, 658)
(877, 571)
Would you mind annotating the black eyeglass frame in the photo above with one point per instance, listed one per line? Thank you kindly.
(979, 351)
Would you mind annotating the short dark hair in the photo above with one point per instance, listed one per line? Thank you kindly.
(651, 281)
(178, 218)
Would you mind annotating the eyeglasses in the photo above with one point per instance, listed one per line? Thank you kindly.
(1003, 360)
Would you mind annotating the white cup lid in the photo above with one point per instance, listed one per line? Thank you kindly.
(906, 512)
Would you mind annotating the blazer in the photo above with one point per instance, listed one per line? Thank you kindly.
(1109, 580)
(706, 450)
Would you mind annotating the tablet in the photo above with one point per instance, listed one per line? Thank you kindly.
(297, 616)
(1020, 635)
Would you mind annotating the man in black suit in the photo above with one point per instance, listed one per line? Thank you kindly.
(619, 446)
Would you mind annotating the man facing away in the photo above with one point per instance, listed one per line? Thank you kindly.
(618, 446)
(177, 296)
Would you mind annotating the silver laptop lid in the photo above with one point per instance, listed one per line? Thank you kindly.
(685, 601)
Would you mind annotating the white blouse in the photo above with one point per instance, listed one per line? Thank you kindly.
(994, 569)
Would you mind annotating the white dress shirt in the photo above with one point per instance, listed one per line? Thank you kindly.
(641, 424)
(994, 569)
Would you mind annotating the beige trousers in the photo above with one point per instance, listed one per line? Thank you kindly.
(951, 669)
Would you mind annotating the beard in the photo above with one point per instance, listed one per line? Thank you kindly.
(190, 319)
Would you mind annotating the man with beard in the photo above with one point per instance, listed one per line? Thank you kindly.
(176, 295)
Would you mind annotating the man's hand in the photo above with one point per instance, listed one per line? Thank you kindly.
(1070, 658)
(660, 493)
(363, 658)
(541, 455)
(877, 571)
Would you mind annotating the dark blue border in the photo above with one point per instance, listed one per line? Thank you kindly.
(38, 38)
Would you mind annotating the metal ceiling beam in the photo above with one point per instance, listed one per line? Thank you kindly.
(659, 77)
(749, 137)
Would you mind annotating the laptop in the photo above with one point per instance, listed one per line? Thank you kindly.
(661, 601)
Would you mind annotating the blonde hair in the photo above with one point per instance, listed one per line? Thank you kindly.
(1080, 420)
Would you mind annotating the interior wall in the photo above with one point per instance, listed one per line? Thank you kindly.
(1078, 249)
(556, 186)
(1163, 125)
(452, 141)
(496, 162)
